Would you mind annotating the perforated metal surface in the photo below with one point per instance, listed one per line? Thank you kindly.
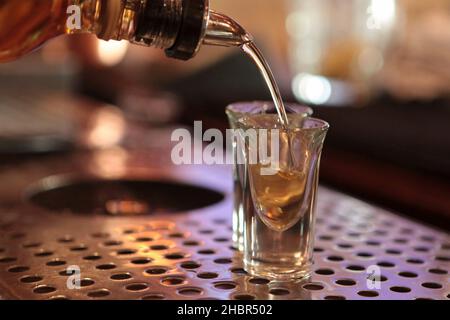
(188, 256)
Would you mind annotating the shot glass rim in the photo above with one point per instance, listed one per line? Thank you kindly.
(294, 108)
(323, 125)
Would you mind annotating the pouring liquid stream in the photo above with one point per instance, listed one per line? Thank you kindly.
(256, 55)
(278, 197)
(223, 31)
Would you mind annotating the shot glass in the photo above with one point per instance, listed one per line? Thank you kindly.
(235, 113)
(279, 197)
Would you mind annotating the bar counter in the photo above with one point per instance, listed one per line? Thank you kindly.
(188, 255)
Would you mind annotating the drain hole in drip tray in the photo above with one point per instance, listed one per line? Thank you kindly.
(119, 197)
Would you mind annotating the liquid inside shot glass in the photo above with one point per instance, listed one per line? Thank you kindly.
(279, 199)
(235, 113)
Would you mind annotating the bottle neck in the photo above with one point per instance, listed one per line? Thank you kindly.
(158, 23)
(176, 26)
(179, 27)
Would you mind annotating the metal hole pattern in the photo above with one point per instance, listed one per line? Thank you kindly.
(190, 257)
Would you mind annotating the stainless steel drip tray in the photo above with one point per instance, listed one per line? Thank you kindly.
(185, 252)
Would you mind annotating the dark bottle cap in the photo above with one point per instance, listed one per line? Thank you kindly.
(192, 29)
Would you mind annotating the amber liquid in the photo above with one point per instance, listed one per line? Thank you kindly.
(278, 198)
(26, 24)
(278, 223)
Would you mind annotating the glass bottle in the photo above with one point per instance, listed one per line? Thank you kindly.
(177, 26)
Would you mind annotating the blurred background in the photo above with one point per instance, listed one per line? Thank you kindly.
(377, 70)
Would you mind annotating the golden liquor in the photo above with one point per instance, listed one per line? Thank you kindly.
(278, 198)
(26, 24)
